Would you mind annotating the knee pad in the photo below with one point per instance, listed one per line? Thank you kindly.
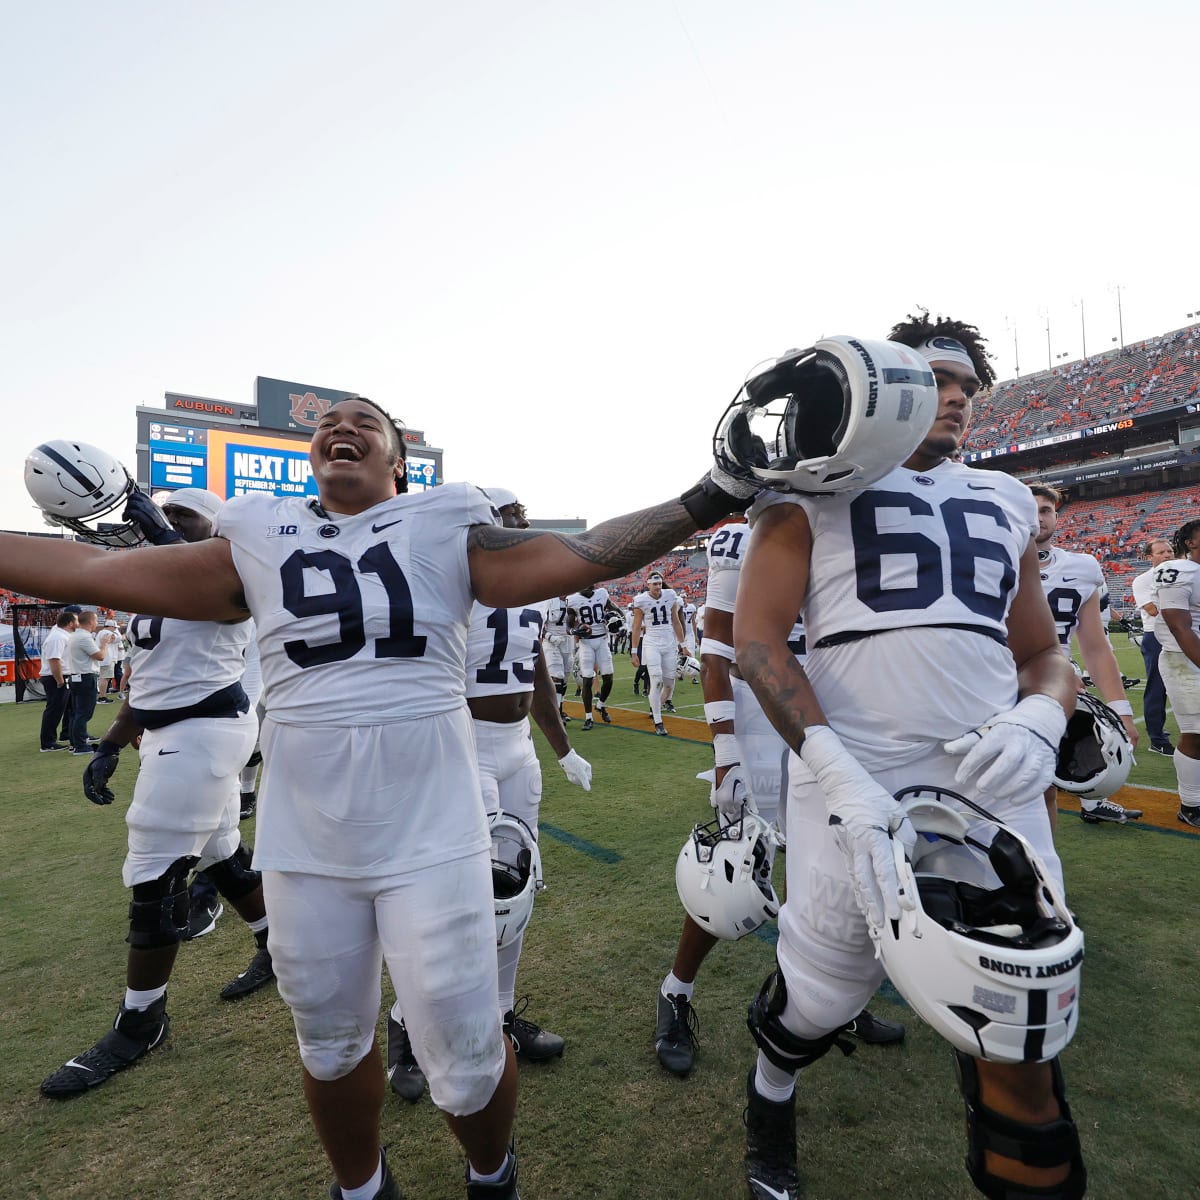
(333, 1056)
(1053, 1144)
(785, 1049)
(158, 912)
(235, 877)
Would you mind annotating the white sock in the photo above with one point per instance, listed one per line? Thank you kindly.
(771, 1083)
(507, 958)
(1187, 775)
(494, 1177)
(142, 1000)
(397, 1015)
(368, 1189)
(656, 699)
(257, 926)
(248, 778)
(674, 986)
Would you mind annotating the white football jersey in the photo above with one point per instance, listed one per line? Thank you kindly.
(502, 648)
(362, 620)
(929, 561)
(179, 663)
(556, 618)
(726, 552)
(656, 616)
(590, 610)
(1070, 580)
(1177, 585)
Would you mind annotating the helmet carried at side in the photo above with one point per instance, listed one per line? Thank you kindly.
(837, 416)
(516, 875)
(74, 483)
(1095, 755)
(723, 876)
(688, 668)
(990, 955)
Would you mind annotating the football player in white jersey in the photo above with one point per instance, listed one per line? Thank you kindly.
(371, 831)
(588, 613)
(197, 728)
(687, 614)
(559, 645)
(1078, 598)
(658, 640)
(749, 757)
(507, 682)
(929, 637)
(1177, 594)
(1154, 696)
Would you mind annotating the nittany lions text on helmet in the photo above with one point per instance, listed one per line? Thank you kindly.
(72, 483)
(723, 876)
(990, 955)
(837, 416)
(516, 875)
(1095, 755)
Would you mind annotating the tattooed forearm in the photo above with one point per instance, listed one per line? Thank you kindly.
(614, 547)
(782, 688)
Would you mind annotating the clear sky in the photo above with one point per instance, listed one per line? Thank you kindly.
(555, 235)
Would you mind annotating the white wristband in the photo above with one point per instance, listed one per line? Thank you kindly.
(1123, 708)
(719, 710)
(720, 649)
(725, 750)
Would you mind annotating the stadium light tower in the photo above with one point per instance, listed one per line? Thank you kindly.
(1116, 287)
(1082, 326)
(1010, 324)
(1045, 312)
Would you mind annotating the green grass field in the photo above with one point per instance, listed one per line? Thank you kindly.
(217, 1111)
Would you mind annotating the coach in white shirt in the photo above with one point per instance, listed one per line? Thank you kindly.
(53, 679)
(83, 665)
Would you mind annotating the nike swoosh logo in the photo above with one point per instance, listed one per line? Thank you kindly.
(765, 1189)
(74, 1062)
(161, 752)
(385, 525)
(1068, 579)
(981, 487)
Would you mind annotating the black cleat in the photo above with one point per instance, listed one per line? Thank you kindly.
(1106, 810)
(505, 1188)
(531, 1042)
(660, 729)
(389, 1189)
(258, 974)
(668, 707)
(564, 717)
(675, 1035)
(770, 1146)
(56, 746)
(133, 1034)
(248, 802)
(1189, 815)
(605, 717)
(587, 724)
(875, 1031)
(405, 1076)
(1127, 683)
(203, 919)
(1162, 748)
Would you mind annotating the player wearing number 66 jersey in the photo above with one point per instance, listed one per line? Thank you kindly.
(372, 835)
(932, 663)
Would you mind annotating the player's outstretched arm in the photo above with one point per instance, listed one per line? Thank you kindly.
(521, 566)
(192, 582)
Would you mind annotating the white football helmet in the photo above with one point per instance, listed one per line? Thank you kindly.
(688, 668)
(723, 876)
(837, 416)
(990, 955)
(516, 875)
(1095, 755)
(72, 482)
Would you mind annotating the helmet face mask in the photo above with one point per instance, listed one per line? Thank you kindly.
(516, 876)
(73, 483)
(723, 876)
(835, 417)
(990, 955)
(1095, 755)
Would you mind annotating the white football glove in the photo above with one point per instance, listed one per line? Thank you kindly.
(578, 769)
(1012, 756)
(732, 796)
(865, 818)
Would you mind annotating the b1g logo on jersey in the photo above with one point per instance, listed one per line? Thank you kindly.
(282, 530)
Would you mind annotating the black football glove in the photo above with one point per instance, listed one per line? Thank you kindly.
(149, 519)
(99, 771)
